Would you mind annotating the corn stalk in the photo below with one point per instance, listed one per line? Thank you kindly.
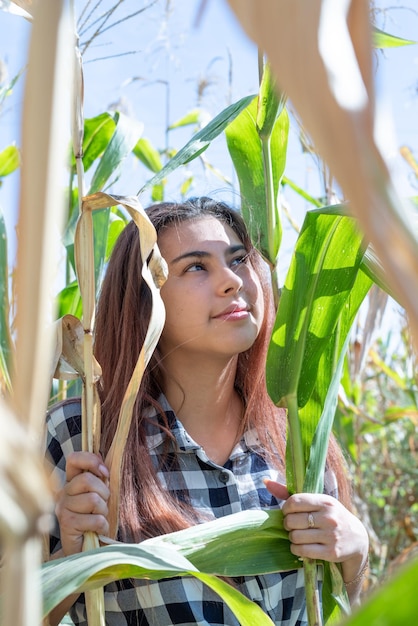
(84, 261)
(320, 54)
(74, 338)
(74, 355)
(26, 498)
(24, 485)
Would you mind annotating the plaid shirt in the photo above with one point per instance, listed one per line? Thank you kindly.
(214, 491)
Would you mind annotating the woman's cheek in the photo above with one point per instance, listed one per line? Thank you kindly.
(258, 303)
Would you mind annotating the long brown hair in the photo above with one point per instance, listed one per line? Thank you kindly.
(122, 318)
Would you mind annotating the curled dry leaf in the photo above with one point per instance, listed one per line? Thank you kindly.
(69, 356)
(321, 55)
(154, 274)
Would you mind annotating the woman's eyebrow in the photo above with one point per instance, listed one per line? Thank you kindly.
(204, 254)
(194, 253)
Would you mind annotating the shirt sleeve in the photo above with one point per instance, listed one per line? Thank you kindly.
(63, 436)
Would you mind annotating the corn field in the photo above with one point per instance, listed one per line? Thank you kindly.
(47, 342)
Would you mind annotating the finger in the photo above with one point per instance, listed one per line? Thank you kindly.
(305, 502)
(306, 537)
(87, 483)
(278, 490)
(302, 521)
(311, 551)
(85, 503)
(73, 526)
(81, 513)
(78, 462)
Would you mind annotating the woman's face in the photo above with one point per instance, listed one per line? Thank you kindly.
(213, 297)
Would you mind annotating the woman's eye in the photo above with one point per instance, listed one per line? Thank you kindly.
(194, 267)
(239, 260)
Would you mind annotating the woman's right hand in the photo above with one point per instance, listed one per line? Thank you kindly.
(82, 502)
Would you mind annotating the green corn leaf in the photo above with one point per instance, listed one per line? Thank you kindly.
(148, 155)
(94, 569)
(370, 263)
(7, 89)
(116, 225)
(125, 137)
(393, 602)
(98, 132)
(157, 192)
(269, 105)
(244, 146)
(101, 224)
(322, 272)
(311, 412)
(396, 413)
(101, 220)
(322, 294)
(200, 141)
(246, 543)
(301, 192)
(69, 301)
(314, 478)
(384, 40)
(193, 117)
(314, 316)
(9, 160)
(335, 600)
(185, 186)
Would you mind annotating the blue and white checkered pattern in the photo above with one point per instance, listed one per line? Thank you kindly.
(214, 491)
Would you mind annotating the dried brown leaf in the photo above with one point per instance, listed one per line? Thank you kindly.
(69, 353)
(154, 275)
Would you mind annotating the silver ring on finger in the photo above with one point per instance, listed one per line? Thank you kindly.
(311, 521)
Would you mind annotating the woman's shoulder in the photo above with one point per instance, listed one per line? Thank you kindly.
(64, 411)
(63, 424)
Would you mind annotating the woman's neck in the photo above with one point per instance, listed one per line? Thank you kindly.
(205, 400)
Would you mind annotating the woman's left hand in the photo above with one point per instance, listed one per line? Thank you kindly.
(320, 527)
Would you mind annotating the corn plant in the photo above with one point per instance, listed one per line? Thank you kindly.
(343, 84)
(24, 486)
(333, 94)
(319, 301)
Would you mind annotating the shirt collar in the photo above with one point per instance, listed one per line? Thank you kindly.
(156, 436)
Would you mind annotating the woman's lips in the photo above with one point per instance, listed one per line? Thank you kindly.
(233, 313)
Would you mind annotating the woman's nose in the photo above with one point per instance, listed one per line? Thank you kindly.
(229, 281)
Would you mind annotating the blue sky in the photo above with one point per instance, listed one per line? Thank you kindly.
(156, 51)
(165, 57)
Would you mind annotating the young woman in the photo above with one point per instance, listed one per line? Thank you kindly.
(206, 440)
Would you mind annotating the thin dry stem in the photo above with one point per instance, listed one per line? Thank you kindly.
(154, 274)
